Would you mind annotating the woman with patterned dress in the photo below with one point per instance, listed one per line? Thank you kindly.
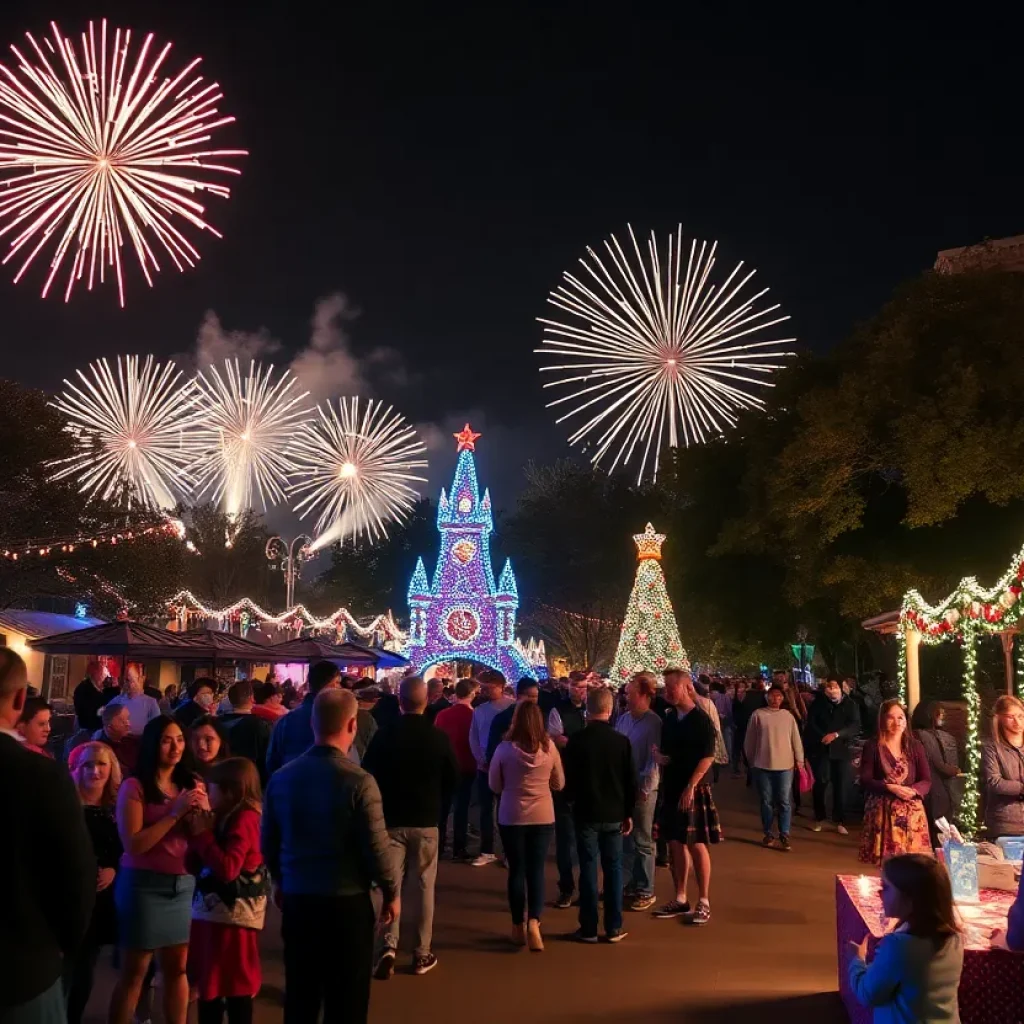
(895, 778)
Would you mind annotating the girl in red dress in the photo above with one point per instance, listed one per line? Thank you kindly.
(230, 900)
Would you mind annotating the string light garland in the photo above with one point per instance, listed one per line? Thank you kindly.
(969, 613)
(650, 637)
(67, 545)
(969, 806)
(185, 602)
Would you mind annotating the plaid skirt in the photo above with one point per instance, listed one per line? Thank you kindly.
(699, 824)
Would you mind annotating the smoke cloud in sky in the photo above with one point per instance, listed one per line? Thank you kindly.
(325, 366)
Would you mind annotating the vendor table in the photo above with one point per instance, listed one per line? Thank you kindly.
(992, 983)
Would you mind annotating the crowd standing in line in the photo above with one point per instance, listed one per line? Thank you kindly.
(349, 794)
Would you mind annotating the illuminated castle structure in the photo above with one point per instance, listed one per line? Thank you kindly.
(462, 615)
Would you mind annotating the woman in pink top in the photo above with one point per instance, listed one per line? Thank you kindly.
(153, 891)
(525, 769)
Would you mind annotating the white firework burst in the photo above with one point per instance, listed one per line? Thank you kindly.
(655, 353)
(247, 422)
(132, 431)
(355, 471)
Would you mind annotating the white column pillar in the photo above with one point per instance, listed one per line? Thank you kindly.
(913, 639)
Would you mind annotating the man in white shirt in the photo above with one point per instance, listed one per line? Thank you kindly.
(492, 688)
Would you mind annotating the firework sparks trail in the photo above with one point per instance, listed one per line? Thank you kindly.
(97, 147)
(657, 354)
(131, 428)
(246, 425)
(354, 471)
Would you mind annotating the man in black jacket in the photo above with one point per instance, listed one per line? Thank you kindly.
(248, 735)
(92, 695)
(415, 768)
(565, 719)
(833, 723)
(601, 784)
(527, 689)
(46, 862)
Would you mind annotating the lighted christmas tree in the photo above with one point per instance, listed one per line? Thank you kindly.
(650, 637)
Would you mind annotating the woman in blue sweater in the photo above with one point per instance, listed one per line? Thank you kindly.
(915, 973)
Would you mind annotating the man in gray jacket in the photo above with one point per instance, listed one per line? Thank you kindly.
(325, 845)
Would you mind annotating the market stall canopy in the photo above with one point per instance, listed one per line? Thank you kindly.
(34, 625)
(217, 645)
(121, 639)
(385, 658)
(313, 649)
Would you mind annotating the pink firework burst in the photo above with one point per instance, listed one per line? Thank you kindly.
(98, 147)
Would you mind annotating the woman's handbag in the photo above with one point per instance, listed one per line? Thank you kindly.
(806, 779)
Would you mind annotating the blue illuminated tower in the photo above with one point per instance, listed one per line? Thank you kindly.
(461, 615)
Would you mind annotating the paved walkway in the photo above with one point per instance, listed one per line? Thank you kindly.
(769, 950)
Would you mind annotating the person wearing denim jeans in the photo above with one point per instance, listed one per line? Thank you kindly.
(773, 748)
(642, 727)
(492, 690)
(600, 842)
(601, 783)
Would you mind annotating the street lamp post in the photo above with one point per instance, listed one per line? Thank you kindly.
(284, 555)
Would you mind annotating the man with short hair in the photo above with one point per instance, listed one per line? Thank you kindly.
(455, 723)
(293, 734)
(93, 694)
(325, 845)
(116, 733)
(602, 789)
(201, 693)
(642, 727)
(493, 702)
(689, 818)
(527, 692)
(47, 865)
(436, 702)
(564, 720)
(248, 735)
(141, 707)
(415, 770)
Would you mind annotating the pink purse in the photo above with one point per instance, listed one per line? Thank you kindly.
(806, 779)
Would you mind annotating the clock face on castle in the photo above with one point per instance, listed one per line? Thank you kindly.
(461, 613)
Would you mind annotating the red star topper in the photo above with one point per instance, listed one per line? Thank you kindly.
(466, 439)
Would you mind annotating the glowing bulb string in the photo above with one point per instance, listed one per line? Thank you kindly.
(66, 545)
(185, 601)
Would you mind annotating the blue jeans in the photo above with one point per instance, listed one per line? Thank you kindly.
(460, 822)
(600, 841)
(526, 849)
(565, 845)
(776, 790)
(485, 797)
(638, 848)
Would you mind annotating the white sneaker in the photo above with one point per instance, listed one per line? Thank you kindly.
(484, 859)
(842, 830)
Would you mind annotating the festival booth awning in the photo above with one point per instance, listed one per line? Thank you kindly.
(385, 659)
(121, 639)
(314, 649)
(218, 646)
(968, 614)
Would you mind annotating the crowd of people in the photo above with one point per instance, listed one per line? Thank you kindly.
(179, 820)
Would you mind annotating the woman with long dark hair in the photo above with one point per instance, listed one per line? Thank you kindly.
(525, 768)
(208, 741)
(153, 891)
(915, 972)
(895, 776)
(230, 901)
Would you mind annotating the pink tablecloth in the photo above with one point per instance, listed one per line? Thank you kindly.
(992, 984)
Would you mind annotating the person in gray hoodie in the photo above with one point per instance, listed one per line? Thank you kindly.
(1002, 769)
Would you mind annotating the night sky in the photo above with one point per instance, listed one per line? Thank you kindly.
(440, 170)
